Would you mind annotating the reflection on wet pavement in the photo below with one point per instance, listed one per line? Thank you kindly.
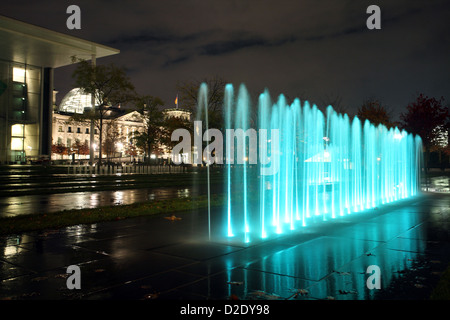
(43, 203)
(29, 204)
(153, 258)
(439, 184)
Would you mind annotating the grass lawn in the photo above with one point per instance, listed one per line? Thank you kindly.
(442, 290)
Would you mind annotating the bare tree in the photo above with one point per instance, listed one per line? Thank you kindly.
(374, 111)
(109, 85)
(188, 98)
(149, 139)
(113, 137)
(334, 100)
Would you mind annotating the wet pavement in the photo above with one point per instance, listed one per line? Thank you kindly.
(437, 184)
(29, 189)
(45, 203)
(157, 258)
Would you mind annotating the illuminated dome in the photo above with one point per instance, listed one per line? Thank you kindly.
(75, 101)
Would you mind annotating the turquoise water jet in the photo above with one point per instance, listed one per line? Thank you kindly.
(328, 166)
(202, 107)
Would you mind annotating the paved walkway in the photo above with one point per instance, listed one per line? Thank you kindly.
(156, 258)
(40, 203)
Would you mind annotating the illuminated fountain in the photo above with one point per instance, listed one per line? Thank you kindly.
(319, 166)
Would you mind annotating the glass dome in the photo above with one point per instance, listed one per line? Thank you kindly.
(75, 101)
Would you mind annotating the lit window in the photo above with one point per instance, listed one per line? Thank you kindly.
(17, 130)
(16, 144)
(18, 74)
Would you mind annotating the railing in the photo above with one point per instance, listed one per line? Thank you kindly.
(126, 169)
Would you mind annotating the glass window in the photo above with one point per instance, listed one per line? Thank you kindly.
(16, 144)
(17, 130)
(69, 129)
(19, 74)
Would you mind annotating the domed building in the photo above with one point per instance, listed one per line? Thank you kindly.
(69, 135)
(76, 101)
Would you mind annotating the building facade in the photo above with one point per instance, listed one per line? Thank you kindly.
(70, 134)
(22, 108)
(28, 57)
(121, 124)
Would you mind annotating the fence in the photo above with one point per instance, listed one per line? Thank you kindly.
(126, 169)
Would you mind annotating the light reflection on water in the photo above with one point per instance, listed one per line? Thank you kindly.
(79, 232)
(331, 265)
(29, 204)
(334, 266)
(93, 200)
(439, 184)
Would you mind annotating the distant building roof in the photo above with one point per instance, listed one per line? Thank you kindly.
(177, 109)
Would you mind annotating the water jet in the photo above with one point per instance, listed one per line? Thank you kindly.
(327, 165)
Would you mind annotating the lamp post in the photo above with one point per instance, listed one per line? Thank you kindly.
(92, 136)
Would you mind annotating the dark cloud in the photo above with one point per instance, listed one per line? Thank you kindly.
(307, 48)
(223, 47)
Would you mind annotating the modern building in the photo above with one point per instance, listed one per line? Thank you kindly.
(28, 56)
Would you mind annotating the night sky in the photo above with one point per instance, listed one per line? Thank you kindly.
(315, 50)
